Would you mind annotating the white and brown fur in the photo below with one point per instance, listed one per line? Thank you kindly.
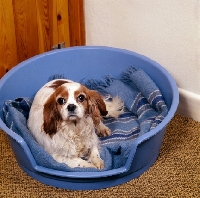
(66, 117)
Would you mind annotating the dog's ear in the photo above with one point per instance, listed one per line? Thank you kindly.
(97, 99)
(97, 107)
(51, 115)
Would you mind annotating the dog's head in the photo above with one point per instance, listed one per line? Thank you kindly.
(70, 102)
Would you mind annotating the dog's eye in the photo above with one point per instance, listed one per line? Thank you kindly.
(61, 101)
(81, 98)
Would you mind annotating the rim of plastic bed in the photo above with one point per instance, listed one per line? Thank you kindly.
(139, 140)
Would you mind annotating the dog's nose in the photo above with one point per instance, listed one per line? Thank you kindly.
(71, 107)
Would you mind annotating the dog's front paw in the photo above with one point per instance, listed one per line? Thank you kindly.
(97, 161)
(74, 162)
(103, 130)
(85, 164)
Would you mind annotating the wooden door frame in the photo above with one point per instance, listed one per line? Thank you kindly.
(76, 22)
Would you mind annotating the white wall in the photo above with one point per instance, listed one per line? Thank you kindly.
(167, 31)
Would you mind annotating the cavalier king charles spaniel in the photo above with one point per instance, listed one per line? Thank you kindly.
(66, 119)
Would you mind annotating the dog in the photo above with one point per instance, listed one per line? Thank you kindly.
(66, 119)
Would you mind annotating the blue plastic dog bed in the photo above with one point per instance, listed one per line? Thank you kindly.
(82, 64)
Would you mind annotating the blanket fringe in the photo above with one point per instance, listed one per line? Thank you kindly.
(99, 85)
(125, 76)
(56, 76)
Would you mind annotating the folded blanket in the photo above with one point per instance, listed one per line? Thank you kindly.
(139, 93)
(137, 77)
(145, 108)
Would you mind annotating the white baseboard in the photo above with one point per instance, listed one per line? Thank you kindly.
(189, 104)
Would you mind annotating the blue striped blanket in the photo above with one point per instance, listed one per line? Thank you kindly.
(145, 109)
